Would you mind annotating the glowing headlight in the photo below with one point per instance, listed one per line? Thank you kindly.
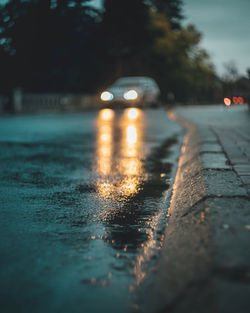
(107, 96)
(130, 95)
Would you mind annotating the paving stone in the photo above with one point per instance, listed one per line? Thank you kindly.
(245, 179)
(215, 161)
(207, 135)
(238, 160)
(223, 183)
(211, 147)
(236, 145)
(242, 169)
(229, 218)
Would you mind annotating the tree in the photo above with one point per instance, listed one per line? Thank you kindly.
(172, 9)
(125, 34)
(231, 73)
(49, 46)
(248, 73)
(178, 63)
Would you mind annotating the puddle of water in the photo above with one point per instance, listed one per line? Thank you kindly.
(129, 191)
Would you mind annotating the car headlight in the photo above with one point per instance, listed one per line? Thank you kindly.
(130, 95)
(106, 96)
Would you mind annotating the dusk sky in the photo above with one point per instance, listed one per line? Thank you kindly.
(225, 25)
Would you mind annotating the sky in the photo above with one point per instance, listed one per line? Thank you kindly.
(225, 25)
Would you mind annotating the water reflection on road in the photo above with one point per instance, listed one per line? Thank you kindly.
(119, 160)
(126, 189)
(82, 197)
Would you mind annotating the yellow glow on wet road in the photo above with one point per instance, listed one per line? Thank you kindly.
(131, 134)
(131, 167)
(107, 114)
(104, 141)
(133, 113)
(119, 158)
(121, 175)
(131, 151)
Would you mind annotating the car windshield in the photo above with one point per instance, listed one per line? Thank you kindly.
(129, 82)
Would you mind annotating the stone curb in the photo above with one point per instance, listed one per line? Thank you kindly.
(204, 264)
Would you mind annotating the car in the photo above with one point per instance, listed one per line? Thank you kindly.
(132, 91)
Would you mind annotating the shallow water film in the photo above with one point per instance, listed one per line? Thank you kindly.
(83, 207)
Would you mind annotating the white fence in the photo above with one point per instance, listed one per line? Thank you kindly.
(3, 102)
(49, 102)
(56, 102)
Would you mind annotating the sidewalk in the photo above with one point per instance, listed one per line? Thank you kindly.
(205, 263)
(236, 145)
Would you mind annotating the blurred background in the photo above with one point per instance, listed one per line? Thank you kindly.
(78, 47)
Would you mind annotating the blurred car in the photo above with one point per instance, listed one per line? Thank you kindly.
(131, 91)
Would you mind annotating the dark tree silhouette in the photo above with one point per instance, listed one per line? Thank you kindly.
(172, 10)
(49, 47)
(125, 34)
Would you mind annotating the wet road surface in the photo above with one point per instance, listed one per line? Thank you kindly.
(83, 207)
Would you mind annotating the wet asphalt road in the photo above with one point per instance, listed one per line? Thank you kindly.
(83, 206)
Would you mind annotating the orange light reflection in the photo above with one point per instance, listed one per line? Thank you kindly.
(104, 141)
(121, 174)
(131, 152)
(131, 134)
(133, 113)
(121, 159)
(107, 114)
